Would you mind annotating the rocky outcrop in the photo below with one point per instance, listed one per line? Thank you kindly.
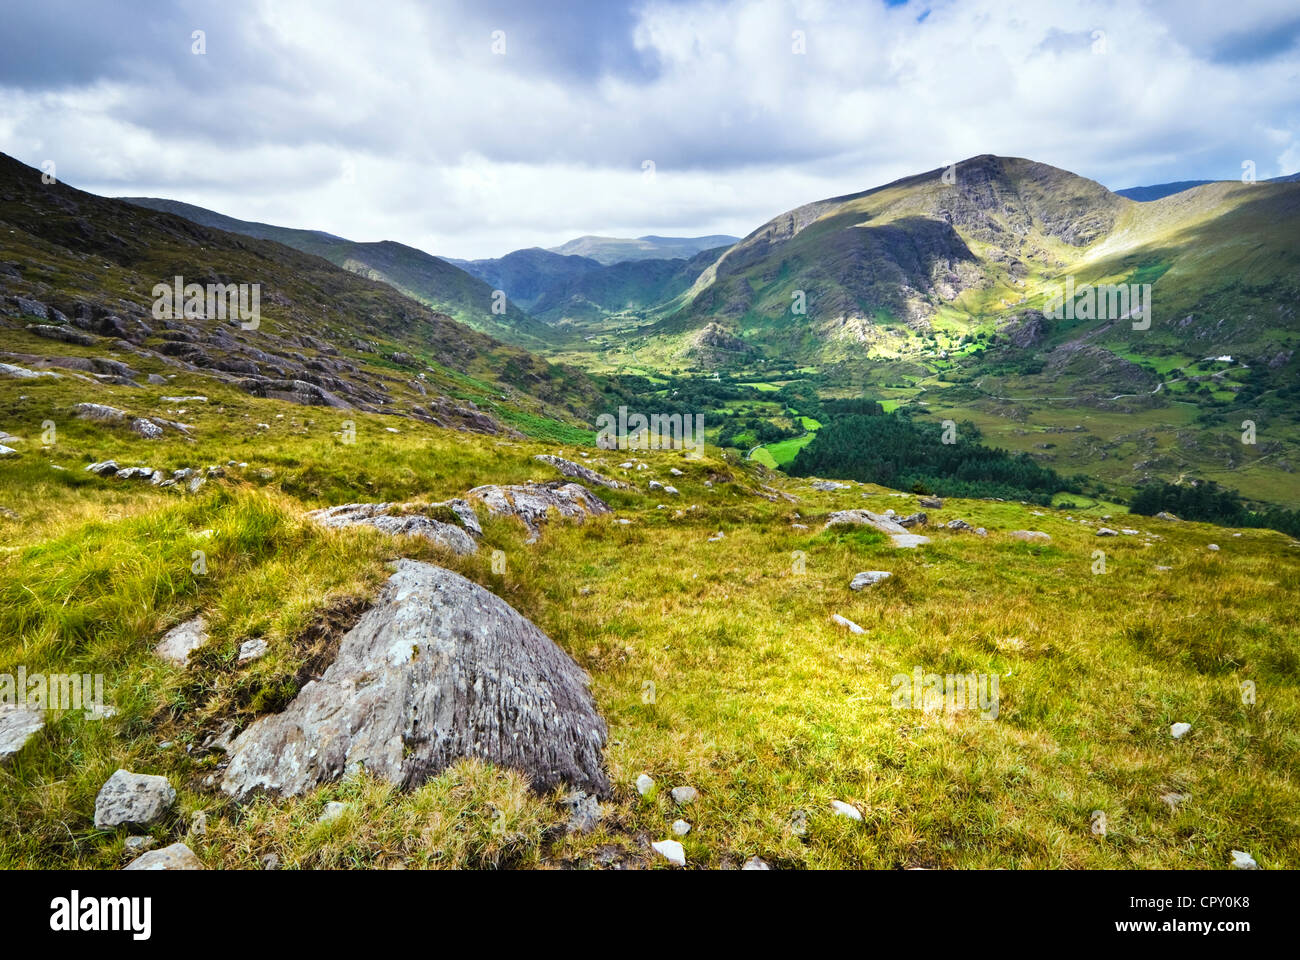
(577, 471)
(295, 391)
(381, 516)
(532, 502)
(439, 669)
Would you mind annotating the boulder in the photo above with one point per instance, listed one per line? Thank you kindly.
(66, 334)
(381, 517)
(933, 503)
(105, 468)
(829, 486)
(577, 471)
(533, 502)
(437, 670)
(22, 373)
(146, 428)
(97, 411)
(877, 521)
(869, 578)
(132, 799)
(176, 857)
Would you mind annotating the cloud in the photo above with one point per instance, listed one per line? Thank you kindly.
(406, 125)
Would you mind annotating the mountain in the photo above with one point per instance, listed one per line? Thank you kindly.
(566, 288)
(1159, 190)
(77, 284)
(433, 281)
(610, 250)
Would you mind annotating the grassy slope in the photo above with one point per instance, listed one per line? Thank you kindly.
(759, 700)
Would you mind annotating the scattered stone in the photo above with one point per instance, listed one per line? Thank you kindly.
(17, 727)
(933, 503)
(644, 784)
(799, 823)
(381, 517)
(1179, 730)
(1172, 800)
(1214, 546)
(1107, 532)
(22, 373)
(199, 825)
(829, 486)
(715, 538)
(845, 622)
(577, 471)
(176, 857)
(270, 862)
(755, 863)
(438, 669)
(1243, 861)
(911, 520)
(676, 473)
(7, 451)
(909, 541)
(182, 640)
(868, 578)
(138, 845)
(1030, 536)
(584, 812)
(253, 649)
(681, 828)
(656, 485)
(670, 490)
(846, 810)
(97, 411)
(980, 531)
(1162, 515)
(672, 851)
(146, 428)
(1129, 532)
(105, 468)
(684, 795)
(333, 810)
(196, 481)
(132, 799)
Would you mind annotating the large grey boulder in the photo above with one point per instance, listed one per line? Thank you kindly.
(577, 471)
(437, 670)
(381, 517)
(132, 799)
(532, 502)
(16, 728)
(176, 857)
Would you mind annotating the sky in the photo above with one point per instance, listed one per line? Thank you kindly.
(469, 129)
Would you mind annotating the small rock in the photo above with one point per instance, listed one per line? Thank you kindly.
(684, 795)
(1243, 861)
(199, 825)
(146, 428)
(584, 812)
(182, 640)
(755, 863)
(132, 799)
(846, 810)
(333, 810)
(138, 845)
(196, 482)
(675, 472)
(252, 649)
(681, 828)
(1030, 536)
(97, 411)
(270, 862)
(176, 857)
(1179, 730)
(868, 578)
(1214, 546)
(1172, 800)
(672, 851)
(845, 622)
(17, 727)
(644, 784)
(105, 468)
(933, 503)
(1107, 532)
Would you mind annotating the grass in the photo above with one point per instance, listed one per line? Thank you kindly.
(714, 664)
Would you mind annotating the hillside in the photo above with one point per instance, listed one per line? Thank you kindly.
(78, 295)
(611, 250)
(430, 280)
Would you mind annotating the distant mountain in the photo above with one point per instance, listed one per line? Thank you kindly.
(1159, 190)
(433, 281)
(609, 250)
(556, 287)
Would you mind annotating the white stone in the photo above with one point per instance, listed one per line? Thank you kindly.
(1179, 730)
(846, 810)
(16, 728)
(681, 828)
(644, 784)
(672, 851)
(684, 795)
(755, 863)
(1243, 861)
(869, 578)
(845, 622)
(182, 640)
(252, 649)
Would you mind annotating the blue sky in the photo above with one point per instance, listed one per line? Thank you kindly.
(471, 129)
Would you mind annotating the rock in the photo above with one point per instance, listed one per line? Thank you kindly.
(270, 862)
(684, 795)
(681, 828)
(31, 308)
(755, 863)
(670, 490)
(656, 485)
(1172, 800)
(1163, 515)
(135, 473)
(176, 857)
(845, 622)
(253, 649)
(1213, 546)
(911, 520)
(138, 845)
(1128, 532)
(830, 486)
(799, 823)
(381, 517)
(933, 503)
(672, 851)
(980, 531)
(132, 799)
(531, 503)
(437, 670)
(959, 525)
(1180, 730)
(333, 810)
(199, 824)
(1243, 861)
(868, 578)
(644, 784)
(676, 473)
(65, 334)
(17, 727)
(876, 521)
(846, 810)
(97, 411)
(22, 373)
(7, 451)
(584, 812)
(196, 481)
(1030, 536)
(182, 640)
(146, 428)
(1107, 532)
(577, 471)
(909, 541)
